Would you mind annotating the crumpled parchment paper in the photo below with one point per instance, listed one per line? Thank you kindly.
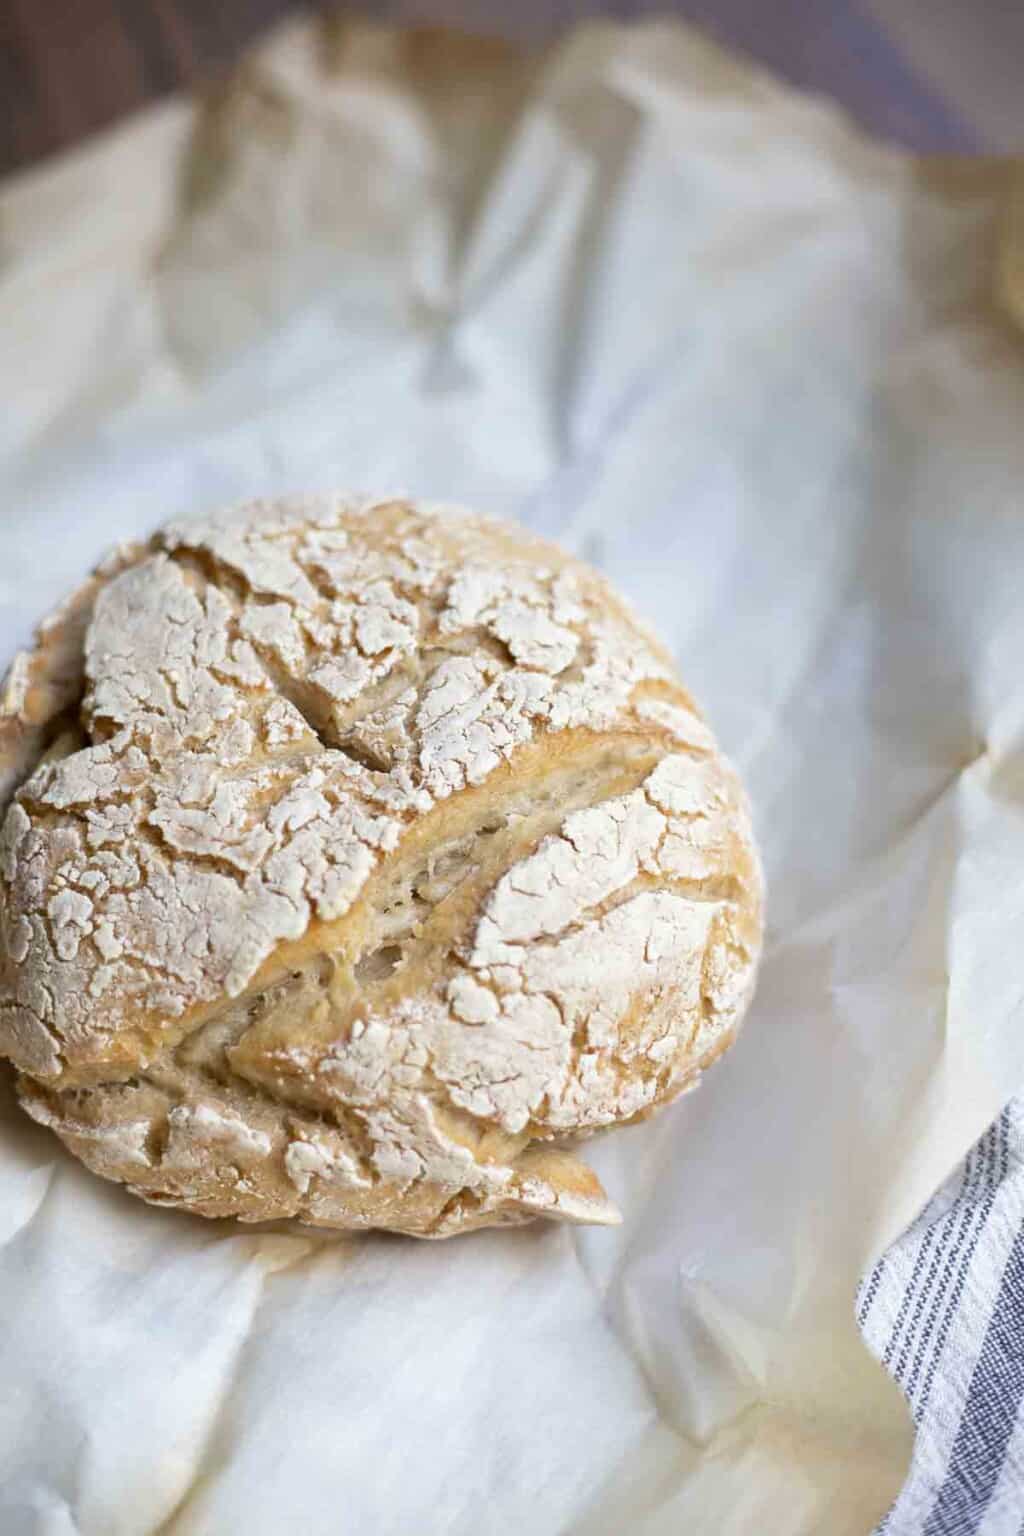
(768, 376)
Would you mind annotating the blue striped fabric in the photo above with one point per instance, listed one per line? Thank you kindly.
(944, 1312)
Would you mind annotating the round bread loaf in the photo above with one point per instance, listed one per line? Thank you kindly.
(357, 860)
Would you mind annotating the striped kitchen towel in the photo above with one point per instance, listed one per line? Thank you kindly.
(944, 1312)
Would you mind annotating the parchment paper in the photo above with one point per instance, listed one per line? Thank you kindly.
(765, 374)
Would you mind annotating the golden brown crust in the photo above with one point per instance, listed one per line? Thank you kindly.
(43, 686)
(382, 857)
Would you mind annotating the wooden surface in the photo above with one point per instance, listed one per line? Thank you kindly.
(70, 67)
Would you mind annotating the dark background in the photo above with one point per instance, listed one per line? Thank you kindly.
(70, 67)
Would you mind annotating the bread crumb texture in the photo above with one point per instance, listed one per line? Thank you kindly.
(357, 860)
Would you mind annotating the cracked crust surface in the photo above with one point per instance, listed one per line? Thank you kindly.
(356, 860)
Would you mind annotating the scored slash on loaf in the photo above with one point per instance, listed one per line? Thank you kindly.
(357, 859)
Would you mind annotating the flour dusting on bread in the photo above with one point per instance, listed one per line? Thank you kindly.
(356, 859)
